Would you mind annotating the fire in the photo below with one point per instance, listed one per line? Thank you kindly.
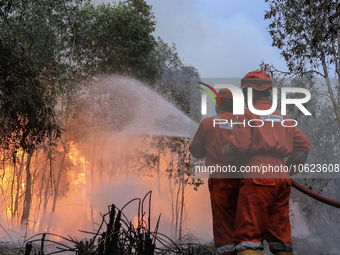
(73, 153)
(135, 222)
(71, 187)
(51, 179)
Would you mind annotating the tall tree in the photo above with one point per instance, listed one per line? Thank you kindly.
(47, 48)
(307, 32)
(174, 78)
(116, 39)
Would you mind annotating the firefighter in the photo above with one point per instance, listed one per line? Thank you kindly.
(223, 191)
(263, 201)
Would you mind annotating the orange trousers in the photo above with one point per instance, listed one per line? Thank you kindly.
(223, 197)
(263, 213)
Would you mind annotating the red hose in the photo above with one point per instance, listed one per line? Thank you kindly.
(315, 195)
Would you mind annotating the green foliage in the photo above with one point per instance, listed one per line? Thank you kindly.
(116, 39)
(307, 32)
(179, 169)
(50, 50)
(304, 30)
(179, 165)
(174, 76)
(49, 47)
(323, 220)
(323, 133)
(27, 115)
(34, 50)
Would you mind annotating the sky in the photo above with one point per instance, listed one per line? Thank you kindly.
(221, 38)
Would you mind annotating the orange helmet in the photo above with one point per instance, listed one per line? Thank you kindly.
(225, 93)
(258, 80)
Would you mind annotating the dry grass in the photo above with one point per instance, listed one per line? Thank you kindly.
(116, 235)
(9, 249)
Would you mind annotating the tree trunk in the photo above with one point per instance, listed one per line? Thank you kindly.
(46, 195)
(92, 168)
(36, 217)
(158, 169)
(329, 86)
(172, 196)
(12, 186)
(16, 202)
(58, 182)
(177, 208)
(182, 207)
(28, 193)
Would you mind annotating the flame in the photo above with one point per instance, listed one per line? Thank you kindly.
(135, 222)
(73, 153)
(78, 200)
(43, 184)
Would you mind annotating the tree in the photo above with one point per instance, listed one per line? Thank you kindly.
(323, 132)
(33, 52)
(307, 32)
(27, 115)
(174, 78)
(116, 39)
(322, 219)
(48, 49)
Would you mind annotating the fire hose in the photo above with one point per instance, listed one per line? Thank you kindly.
(315, 195)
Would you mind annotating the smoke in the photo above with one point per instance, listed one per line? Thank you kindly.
(123, 117)
(111, 160)
(109, 142)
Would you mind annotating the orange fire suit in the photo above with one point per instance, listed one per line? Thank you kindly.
(263, 202)
(223, 190)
